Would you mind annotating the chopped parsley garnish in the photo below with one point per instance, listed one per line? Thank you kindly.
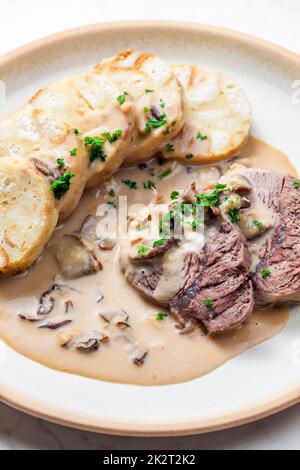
(174, 195)
(200, 136)
(62, 184)
(220, 186)
(122, 98)
(161, 103)
(73, 152)
(111, 204)
(211, 199)
(169, 147)
(112, 193)
(146, 110)
(173, 123)
(257, 223)
(60, 162)
(147, 90)
(167, 131)
(160, 316)
(265, 273)
(159, 242)
(155, 123)
(76, 131)
(196, 222)
(189, 156)
(112, 137)
(296, 184)
(143, 250)
(208, 303)
(149, 184)
(161, 160)
(233, 215)
(165, 174)
(95, 146)
(131, 184)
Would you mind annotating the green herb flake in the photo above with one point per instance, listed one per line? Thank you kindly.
(165, 174)
(211, 199)
(154, 123)
(233, 215)
(161, 103)
(62, 184)
(208, 303)
(112, 193)
(111, 204)
(131, 184)
(296, 184)
(174, 195)
(173, 123)
(167, 131)
(257, 223)
(112, 137)
(147, 90)
(149, 184)
(189, 156)
(76, 131)
(201, 137)
(159, 242)
(95, 146)
(146, 110)
(160, 316)
(60, 162)
(122, 98)
(143, 250)
(73, 152)
(196, 222)
(169, 147)
(265, 273)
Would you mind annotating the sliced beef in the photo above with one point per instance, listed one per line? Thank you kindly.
(277, 275)
(221, 296)
(219, 273)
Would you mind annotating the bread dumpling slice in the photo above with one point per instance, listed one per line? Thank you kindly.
(157, 98)
(27, 212)
(51, 144)
(89, 103)
(217, 116)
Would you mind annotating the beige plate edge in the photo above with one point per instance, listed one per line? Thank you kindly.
(39, 409)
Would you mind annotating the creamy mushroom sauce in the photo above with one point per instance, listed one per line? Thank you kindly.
(170, 357)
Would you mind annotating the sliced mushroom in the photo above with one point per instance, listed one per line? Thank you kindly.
(117, 317)
(140, 359)
(89, 230)
(54, 324)
(76, 257)
(90, 341)
(47, 299)
(45, 169)
(68, 305)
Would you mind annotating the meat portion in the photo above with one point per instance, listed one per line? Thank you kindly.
(208, 283)
(277, 273)
(221, 296)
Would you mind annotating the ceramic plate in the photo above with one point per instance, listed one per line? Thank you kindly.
(254, 384)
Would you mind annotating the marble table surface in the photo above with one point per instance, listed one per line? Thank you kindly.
(21, 22)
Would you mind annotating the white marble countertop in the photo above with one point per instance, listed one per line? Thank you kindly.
(23, 21)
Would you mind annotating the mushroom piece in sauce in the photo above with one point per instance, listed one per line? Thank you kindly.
(76, 257)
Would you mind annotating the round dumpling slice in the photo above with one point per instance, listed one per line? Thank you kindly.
(157, 98)
(217, 116)
(90, 104)
(27, 212)
(51, 145)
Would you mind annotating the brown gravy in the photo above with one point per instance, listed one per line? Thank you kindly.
(171, 357)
